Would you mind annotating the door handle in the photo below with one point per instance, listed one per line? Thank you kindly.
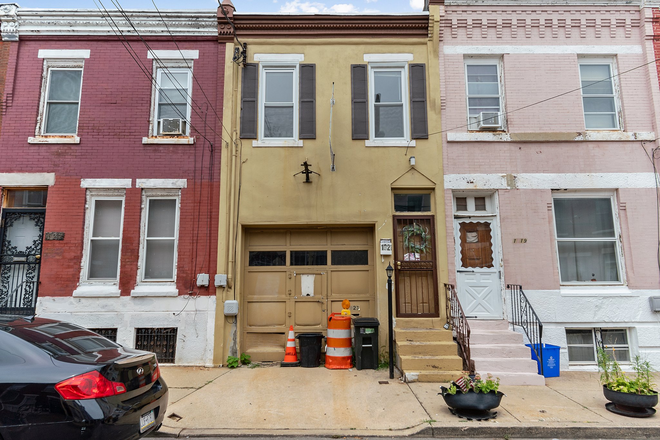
(398, 265)
(465, 270)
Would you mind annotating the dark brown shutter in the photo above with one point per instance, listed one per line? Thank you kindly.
(249, 101)
(307, 110)
(419, 120)
(359, 101)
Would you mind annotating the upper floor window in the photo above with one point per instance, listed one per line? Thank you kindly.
(484, 94)
(278, 104)
(389, 103)
(172, 101)
(587, 239)
(599, 94)
(62, 100)
(278, 100)
(388, 100)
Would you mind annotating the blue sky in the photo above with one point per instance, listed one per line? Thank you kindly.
(291, 6)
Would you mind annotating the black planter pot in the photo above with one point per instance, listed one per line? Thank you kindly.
(473, 405)
(631, 405)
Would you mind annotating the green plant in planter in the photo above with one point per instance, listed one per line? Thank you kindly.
(615, 379)
(476, 384)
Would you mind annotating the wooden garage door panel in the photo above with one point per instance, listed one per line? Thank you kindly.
(267, 238)
(266, 284)
(351, 238)
(309, 314)
(350, 282)
(266, 313)
(309, 238)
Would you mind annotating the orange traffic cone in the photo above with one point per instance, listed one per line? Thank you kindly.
(290, 356)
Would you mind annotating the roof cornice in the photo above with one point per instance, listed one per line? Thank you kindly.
(41, 22)
(250, 26)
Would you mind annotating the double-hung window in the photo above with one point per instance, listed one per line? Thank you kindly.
(278, 105)
(160, 231)
(587, 239)
(61, 92)
(389, 98)
(599, 94)
(105, 217)
(173, 97)
(484, 94)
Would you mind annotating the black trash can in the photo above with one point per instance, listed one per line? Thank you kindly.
(310, 349)
(366, 343)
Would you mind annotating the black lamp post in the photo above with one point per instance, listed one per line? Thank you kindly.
(390, 272)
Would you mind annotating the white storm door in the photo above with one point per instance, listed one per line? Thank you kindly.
(477, 269)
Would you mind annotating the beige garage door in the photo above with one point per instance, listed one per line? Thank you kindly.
(299, 277)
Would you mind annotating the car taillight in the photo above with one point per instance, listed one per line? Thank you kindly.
(156, 374)
(90, 385)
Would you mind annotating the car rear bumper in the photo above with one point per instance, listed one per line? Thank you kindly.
(99, 419)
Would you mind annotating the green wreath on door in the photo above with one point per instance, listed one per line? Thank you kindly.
(410, 232)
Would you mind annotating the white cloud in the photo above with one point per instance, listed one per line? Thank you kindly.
(370, 1)
(307, 7)
(417, 5)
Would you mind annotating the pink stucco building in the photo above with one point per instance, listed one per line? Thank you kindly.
(550, 120)
(110, 157)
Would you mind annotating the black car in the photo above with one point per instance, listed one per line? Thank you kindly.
(62, 381)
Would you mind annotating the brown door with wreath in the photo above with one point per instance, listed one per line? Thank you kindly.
(415, 267)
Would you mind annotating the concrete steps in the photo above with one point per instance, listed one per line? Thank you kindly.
(425, 351)
(497, 350)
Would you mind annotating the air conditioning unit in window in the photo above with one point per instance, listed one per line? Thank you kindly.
(170, 126)
(489, 121)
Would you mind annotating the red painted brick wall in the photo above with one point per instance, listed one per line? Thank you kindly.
(114, 117)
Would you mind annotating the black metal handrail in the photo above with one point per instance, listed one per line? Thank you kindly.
(523, 315)
(458, 321)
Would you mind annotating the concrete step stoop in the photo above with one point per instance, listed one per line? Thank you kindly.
(425, 351)
(501, 352)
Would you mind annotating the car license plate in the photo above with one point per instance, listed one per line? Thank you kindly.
(147, 421)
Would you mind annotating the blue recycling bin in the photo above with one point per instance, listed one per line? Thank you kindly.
(550, 354)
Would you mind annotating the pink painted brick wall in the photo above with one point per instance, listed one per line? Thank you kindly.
(529, 78)
(114, 117)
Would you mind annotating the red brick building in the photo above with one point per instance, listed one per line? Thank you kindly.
(109, 170)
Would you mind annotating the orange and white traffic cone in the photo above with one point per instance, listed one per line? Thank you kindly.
(290, 356)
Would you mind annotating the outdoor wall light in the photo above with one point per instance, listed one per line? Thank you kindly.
(412, 161)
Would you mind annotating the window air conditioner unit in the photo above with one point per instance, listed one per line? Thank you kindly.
(489, 121)
(170, 126)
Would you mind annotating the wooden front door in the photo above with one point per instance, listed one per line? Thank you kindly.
(477, 270)
(415, 269)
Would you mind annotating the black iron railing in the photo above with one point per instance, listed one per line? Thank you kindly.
(19, 285)
(523, 315)
(458, 321)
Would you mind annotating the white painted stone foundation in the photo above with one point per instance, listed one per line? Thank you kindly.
(193, 316)
(597, 308)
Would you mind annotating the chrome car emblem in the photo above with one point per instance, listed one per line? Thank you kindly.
(140, 370)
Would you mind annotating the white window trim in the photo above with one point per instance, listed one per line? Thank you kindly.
(173, 54)
(500, 77)
(159, 67)
(278, 142)
(46, 138)
(404, 141)
(105, 183)
(616, 239)
(64, 53)
(611, 61)
(285, 58)
(161, 183)
(104, 287)
(388, 57)
(162, 287)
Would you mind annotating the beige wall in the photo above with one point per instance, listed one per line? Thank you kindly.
(359, 192)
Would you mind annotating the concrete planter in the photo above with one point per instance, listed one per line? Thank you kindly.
(630, 405)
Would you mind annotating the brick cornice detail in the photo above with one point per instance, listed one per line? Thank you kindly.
(250, 26)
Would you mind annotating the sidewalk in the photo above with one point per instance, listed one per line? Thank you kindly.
(270, 400)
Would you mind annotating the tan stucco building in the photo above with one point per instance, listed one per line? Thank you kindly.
(354, 99)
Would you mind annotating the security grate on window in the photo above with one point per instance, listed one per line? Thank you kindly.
(161, 341)
(109, 333)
